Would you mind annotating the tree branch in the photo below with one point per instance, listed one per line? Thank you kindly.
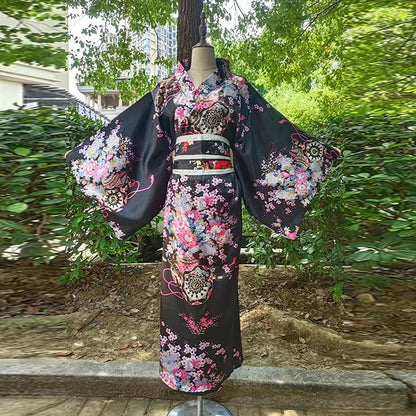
(318, 15)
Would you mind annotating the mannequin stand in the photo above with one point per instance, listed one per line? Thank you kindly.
(199, 407)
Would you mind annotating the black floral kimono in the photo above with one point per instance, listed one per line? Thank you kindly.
(197, 151)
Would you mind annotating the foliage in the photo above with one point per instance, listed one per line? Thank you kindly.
(367, 94)
(287, 41)
(314, 110)
(381, 196)
(87, 229)
(379, 75)
(32, 204)
(379, 57)
(34, 31)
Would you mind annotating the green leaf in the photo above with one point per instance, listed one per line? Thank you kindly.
(18, 207)
(22, 151)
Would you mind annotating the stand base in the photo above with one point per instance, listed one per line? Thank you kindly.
(190, 408)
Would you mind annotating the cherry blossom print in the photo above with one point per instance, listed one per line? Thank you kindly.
(200, 326)
(193, 369)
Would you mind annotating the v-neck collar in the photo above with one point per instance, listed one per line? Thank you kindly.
(216, 77)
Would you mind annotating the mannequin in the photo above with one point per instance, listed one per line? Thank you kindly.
(203, 60)
(203, 64)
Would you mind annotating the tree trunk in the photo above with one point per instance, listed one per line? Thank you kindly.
(189, 19)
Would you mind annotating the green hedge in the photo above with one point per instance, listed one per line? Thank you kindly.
(32, 202)
(363, 217)
(380, 201)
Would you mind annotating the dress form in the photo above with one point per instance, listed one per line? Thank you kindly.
(203, 64)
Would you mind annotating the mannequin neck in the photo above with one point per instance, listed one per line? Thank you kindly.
(203, 64)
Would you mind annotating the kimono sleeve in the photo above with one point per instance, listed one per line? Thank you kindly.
(279, 166)
(125, 166)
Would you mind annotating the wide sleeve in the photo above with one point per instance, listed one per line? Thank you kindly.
(279, 166)
(125, 166)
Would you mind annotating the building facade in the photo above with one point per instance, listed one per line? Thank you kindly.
(14, 78)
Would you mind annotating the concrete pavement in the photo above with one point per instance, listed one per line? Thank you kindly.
(53, 387)
(102, 406)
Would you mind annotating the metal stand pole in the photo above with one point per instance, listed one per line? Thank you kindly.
(200, 407)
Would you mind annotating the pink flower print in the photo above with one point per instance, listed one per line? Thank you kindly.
(193, 326)
(203, 345)
(168, 379)
(201, 387)
(205, 323)
(301, 182)
(216, 228)
(222, 256)
(109, 156)
(196, 363)
(100, 171)
(300, 175)
(187, 238)
(180, 112)
(269, 206)
(194, 214)
(89, 167)
(302, 188)
(189, 350)
(172, 337)
(201, 326)
(224, 237)
(209, 199)
(285, 174)
(191, 363)
(163, 340)
(180, 224)
(182, 374)
(166, 215)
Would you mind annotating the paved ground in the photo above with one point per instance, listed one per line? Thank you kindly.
(100, 406)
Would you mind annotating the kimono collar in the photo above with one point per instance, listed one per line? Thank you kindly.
(222, 72)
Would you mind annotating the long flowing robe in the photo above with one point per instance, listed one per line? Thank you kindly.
(197, 152)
